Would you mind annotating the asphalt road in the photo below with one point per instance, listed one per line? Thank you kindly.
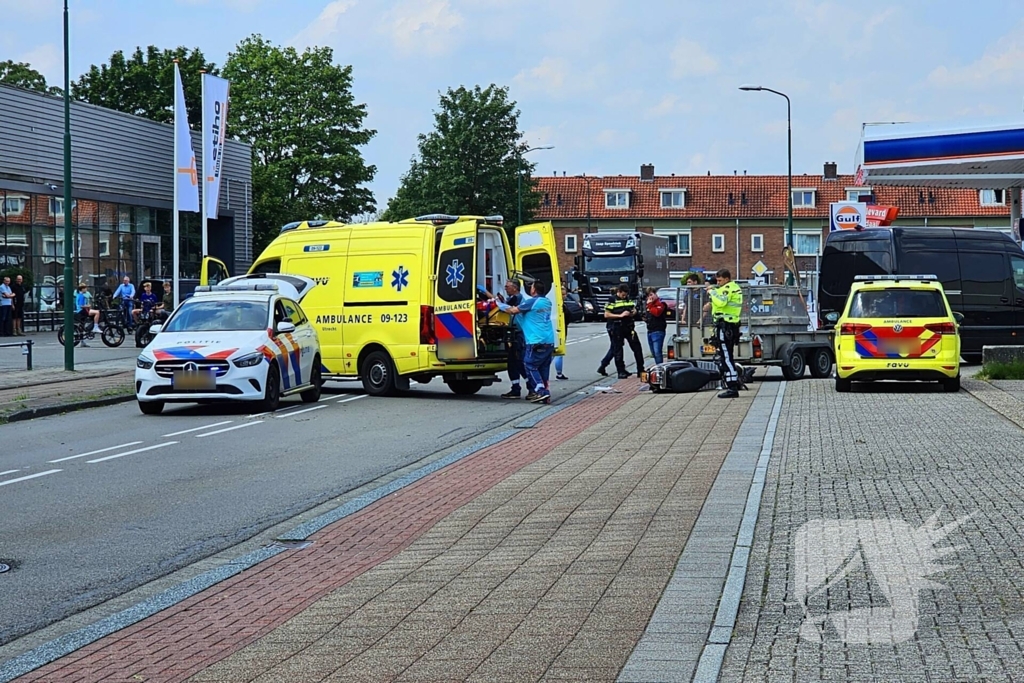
(99, 502)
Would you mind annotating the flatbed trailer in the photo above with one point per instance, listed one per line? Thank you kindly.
(775, 330)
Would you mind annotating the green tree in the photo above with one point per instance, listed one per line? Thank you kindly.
(471, 163)
(143, 84)
(298, 112)
(22, 75)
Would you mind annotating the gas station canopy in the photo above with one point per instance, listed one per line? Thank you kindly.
(981, 157)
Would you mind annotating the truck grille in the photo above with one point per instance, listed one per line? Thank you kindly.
(167, 368)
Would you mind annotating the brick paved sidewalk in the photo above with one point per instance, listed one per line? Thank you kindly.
(848, 580)
(540, 557)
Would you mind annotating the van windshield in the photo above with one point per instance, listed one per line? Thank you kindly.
(898, 303)
(838, 268)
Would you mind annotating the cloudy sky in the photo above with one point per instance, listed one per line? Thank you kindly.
(611, 84)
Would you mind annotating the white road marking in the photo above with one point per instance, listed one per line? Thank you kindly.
(31, 476)
(229, 429)
(102, 450)
(199, 429)
(299, 412)
(9, 472)
(137, 450)
(353, 398)
(260, 414)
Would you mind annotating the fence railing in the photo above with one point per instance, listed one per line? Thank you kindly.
(26, 347)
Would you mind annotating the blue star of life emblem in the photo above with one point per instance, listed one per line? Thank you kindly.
(456, 274)
(400, 278)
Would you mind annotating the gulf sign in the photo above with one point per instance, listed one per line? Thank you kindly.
(848, 216)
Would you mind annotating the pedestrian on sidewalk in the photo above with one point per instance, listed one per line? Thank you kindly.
(726, 305)
(615, 313)
(126, 291)
(656, 318)
(18, 287)
(6, 306)
(539, 335)
(559, 360)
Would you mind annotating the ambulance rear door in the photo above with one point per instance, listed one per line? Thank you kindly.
(213, 272)
(455, 293)
(536, 256)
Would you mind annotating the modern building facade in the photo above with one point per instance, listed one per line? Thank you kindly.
(739, 221)
(122, 188)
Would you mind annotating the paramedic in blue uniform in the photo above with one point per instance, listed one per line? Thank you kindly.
(535, 319)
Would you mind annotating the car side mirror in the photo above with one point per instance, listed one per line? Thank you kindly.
(155, 329)
(832, 317)
(285, 326)
(958, 317)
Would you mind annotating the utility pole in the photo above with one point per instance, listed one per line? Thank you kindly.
(69, 233)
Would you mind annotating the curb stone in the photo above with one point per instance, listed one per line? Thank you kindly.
(47, 411)
(995, 398)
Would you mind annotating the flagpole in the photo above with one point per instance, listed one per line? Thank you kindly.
(175, 231)
(205, 185)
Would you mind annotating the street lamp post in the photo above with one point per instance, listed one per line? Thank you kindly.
(588, 179)
(69, 289)
(789, 153)
(519, 179)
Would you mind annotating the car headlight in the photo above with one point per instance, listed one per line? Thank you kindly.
(248, 361)
(143, 363)
(589, 306)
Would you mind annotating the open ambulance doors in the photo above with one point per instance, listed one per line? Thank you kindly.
(213, 272)
(455, 310)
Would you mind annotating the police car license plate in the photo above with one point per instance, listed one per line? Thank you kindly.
(199, 380)
(709, 350)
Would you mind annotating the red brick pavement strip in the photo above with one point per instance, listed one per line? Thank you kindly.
(186, 638)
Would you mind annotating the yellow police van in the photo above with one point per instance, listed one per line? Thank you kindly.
(402, 301)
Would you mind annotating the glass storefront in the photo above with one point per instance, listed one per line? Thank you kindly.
(111, 241)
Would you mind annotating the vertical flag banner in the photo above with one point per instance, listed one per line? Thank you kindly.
(215, 117)
(186, 181)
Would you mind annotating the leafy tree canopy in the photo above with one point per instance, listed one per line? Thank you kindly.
(143, 84)
(298, 112)
(471, 163)
(22, 75)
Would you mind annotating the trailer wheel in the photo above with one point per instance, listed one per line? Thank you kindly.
(821, 363)
(793, 368)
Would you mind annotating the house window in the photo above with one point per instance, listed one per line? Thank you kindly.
(718, 243)
(12, 206)
(757, 243)
(853, 194)
(616, 199)
(673, 199)
(57, 206)
(993, 197)
(679, 244)
(547, 199)
(807, 243)
(803, 198)
(570, 243)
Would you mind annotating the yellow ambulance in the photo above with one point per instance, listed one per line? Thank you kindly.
(400, 302)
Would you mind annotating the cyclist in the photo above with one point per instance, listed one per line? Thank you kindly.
(147, 301)
(166, 305)
(84, 313)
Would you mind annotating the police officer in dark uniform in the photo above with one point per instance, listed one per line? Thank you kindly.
(619, 316)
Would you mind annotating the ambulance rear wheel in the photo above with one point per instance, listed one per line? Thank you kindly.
(378, 374)
(465, 387)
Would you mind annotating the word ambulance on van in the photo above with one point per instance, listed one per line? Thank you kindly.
(398, 302)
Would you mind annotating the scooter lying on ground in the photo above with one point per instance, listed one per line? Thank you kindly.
(683, 376)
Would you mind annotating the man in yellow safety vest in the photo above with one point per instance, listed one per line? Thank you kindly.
(726, 305)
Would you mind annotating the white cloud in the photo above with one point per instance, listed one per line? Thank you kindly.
(669, 105)
(549, 76)
(321, 29)
(418, 26)
(540, 136)
(1000, 65)
(690, 59)
(47, 59)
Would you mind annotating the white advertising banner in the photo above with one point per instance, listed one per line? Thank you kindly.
(847, 216)
(186, 183)
(215, 117)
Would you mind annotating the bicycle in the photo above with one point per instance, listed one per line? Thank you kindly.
(146, 320)
(113, 333)
(81, 332)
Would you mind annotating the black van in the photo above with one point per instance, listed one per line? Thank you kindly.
(982, 272)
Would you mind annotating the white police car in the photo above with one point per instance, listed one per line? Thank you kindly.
(245, 339)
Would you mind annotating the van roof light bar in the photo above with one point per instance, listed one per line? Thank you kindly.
(893, 278)
(439, 218)
(496, 219)
(243, 287)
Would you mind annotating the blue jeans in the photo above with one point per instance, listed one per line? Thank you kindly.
(656, 342)
(126, 311)
(538, 366)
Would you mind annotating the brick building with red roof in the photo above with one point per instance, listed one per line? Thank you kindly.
(707, 217)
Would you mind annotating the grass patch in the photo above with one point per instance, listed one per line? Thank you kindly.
(1014, 370)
